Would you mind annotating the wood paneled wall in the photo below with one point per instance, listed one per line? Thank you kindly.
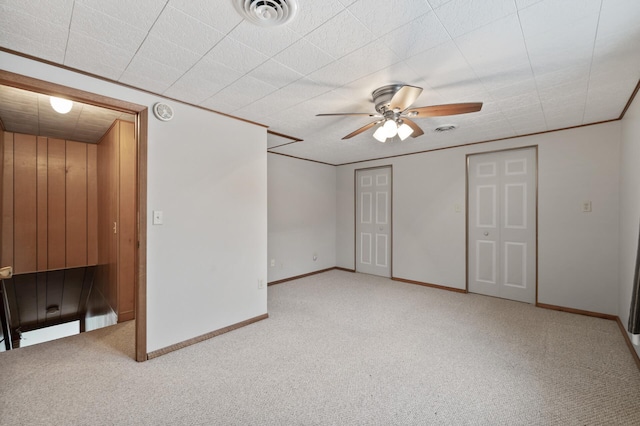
(116, 203)
(2, 132)
(48, 214)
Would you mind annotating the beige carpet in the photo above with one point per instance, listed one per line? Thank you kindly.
(341, 349)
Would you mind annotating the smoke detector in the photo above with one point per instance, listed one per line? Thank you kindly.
(267, 13)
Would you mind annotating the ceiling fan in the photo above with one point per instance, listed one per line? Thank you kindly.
(394, 111)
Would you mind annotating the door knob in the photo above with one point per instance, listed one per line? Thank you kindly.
(486, 234)
(381, 228)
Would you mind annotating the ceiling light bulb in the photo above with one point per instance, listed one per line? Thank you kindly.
(380, 134)
(404, 131)
(60, 105)
(391, 128)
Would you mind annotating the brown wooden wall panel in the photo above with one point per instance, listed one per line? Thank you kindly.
(76, 204)
(41, 201)
(127, 215)
(25, 202)
(57, 191)
(6, 255)
(106, 277)
(92, 204)
(2, 133)
(56, 201)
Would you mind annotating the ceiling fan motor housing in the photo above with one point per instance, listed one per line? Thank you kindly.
(382, 96)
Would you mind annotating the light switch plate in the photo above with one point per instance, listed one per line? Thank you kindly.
(157, 217)
(586, 206)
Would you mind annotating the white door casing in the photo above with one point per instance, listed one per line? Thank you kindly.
(501, 226)
(373, 221)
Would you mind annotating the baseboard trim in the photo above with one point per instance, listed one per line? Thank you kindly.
(634, 354)
(203, 337)
(284, 280)
(126, 316)
(577, 311)
(441, 287)
(339, 268)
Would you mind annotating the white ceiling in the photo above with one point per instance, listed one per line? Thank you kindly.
(537, 65)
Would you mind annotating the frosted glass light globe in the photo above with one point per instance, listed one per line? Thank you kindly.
(60, 105)
(391, 128)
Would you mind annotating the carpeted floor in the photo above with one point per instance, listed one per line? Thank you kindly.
(341, 349)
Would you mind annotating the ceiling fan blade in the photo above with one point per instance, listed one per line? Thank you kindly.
(404, 97)
(417, 131)
(447, 109)
(369, 114)
(361, 129)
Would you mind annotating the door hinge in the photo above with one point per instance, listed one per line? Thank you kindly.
(115, 227)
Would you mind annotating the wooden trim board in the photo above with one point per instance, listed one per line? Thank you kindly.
(634, 354)
(140, 301)
(206, 336)
(576, 311)
(440, 287)
(284, 280)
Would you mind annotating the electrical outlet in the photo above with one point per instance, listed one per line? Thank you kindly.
(315, 256)
(457, 208)
(260, 283)
(586, 206)
(273, 263)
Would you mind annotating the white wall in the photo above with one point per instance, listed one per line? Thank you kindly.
(302, 216)
(208, 174)
(629, 206)
(578, 262)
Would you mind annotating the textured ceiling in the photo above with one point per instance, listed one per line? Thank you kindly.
(26, 112)
(537, 65)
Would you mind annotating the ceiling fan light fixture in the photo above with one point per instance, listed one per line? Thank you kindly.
(60, 105)
(380, 134)
(404, 131)
(390, 128)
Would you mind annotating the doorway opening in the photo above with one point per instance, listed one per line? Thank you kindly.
(135, 217)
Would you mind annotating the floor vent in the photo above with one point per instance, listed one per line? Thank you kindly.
(267, 13)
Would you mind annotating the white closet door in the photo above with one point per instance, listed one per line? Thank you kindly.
(502, 224)
(373, 221)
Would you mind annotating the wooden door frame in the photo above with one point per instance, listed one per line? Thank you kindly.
(141, 113)
(355, 216)
(466, 222)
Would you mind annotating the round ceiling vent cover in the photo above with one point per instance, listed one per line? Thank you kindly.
(267, 13)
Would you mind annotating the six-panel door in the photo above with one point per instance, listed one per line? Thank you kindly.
(502, 224)
(373, 221)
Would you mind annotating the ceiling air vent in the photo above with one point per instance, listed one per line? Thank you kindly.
(267, 13)
(442, 129)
